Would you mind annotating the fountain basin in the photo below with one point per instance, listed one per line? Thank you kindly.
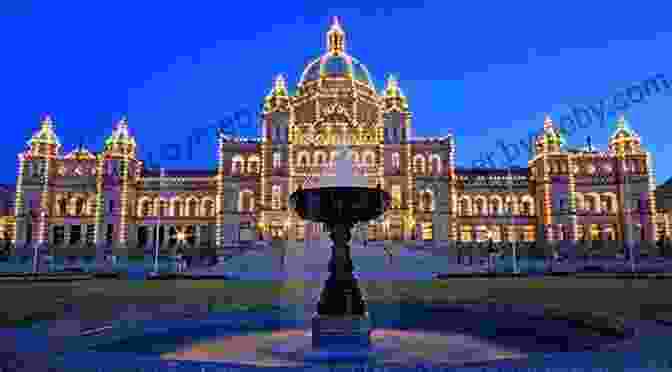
(344, 204)
(403, 335)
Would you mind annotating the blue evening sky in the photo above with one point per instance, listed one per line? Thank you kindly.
(488, 71)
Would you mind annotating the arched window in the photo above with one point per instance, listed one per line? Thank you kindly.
(589, 203)
(527, 208)
(419, 164)
(427, 201)
(369, 159)
(253, 165)
(509, 206)
(436, 164)
(62, 207)
(147, 206)
(178, 208)
(396, 164)
(464, 207)
(605, 203)
(276, 196)
(237, 165)
(192, 205)
(79, 207)
(319, 158)
(208, 208)
(246, 201)
(495, 206)
(480, 207)
(163, 207)
(303, 159)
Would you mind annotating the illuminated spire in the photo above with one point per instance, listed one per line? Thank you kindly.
(120, 135)
(47, 122)
(623, 129)
(392, 88)
(279, 87)
(548, 123)
(336, 37)
(621, 123)
(46, 134)
(552, 136)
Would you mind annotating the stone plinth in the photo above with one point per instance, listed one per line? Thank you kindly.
(341, 332)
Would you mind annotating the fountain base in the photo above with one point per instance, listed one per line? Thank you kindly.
(351, 332)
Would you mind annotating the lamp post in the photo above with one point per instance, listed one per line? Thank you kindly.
(628, 210)
(514, 255)
(36, 249)
(158, 224)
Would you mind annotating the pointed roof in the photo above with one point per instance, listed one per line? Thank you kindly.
(392, 88)
(80, 153)
(279, 87)
(551, 133)
(121, 135)
(46, 134)
(623, 130)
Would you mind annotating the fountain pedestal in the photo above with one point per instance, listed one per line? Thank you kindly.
(341, 320)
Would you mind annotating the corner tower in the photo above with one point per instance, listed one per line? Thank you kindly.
(117, 170)
(33, 198)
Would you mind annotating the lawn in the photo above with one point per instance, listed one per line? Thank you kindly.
(102, 298)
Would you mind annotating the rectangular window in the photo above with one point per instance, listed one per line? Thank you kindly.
(111, 206)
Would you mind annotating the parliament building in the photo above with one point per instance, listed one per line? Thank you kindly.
(81, 199)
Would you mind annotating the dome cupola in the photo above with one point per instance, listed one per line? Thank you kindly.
(336, 62)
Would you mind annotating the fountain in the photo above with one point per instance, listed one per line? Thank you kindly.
(341, 320)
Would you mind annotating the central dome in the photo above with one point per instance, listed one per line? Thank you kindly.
(336, 62)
